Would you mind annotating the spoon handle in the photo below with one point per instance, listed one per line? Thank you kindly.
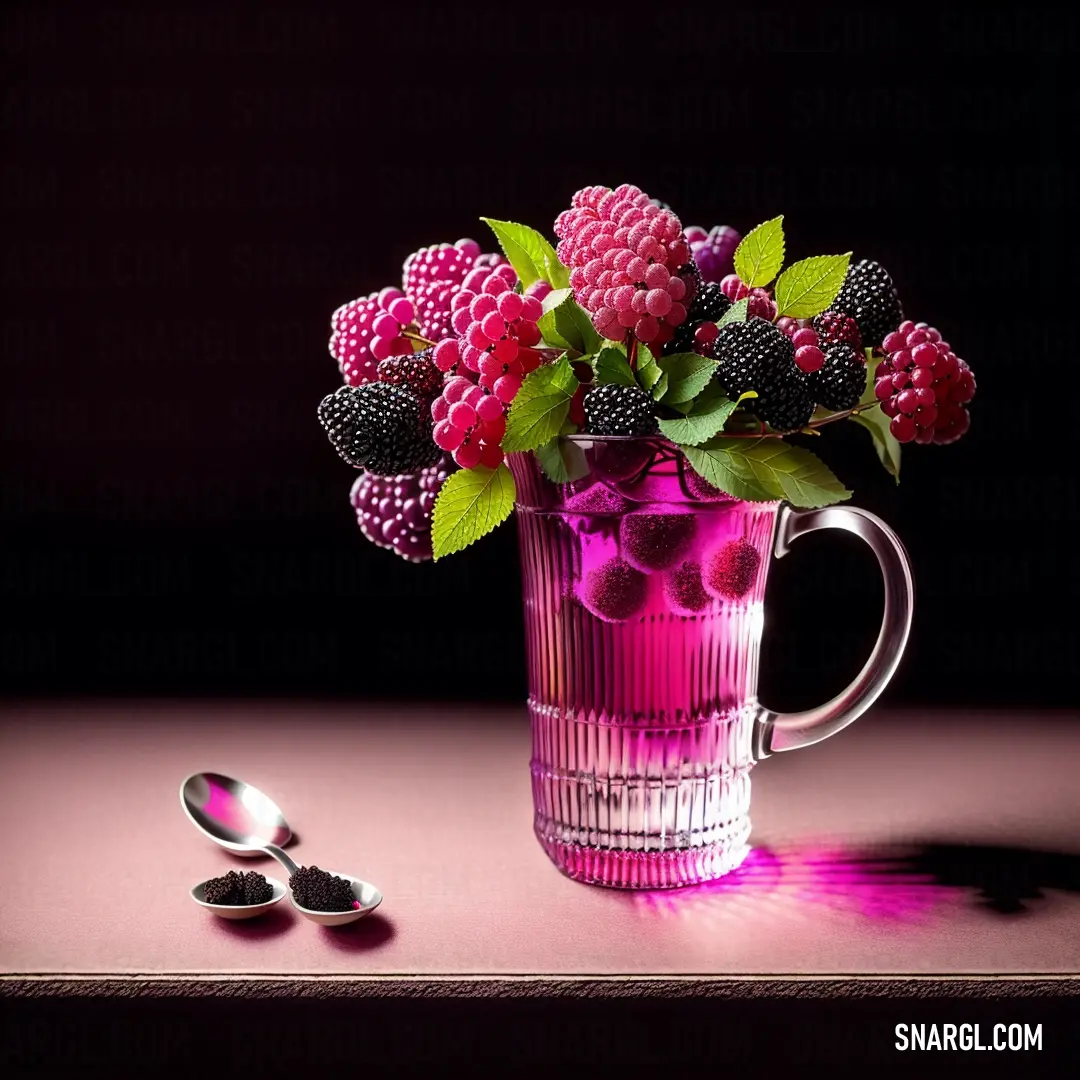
(273, 849)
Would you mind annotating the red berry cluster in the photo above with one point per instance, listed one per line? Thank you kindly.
(760, 303)
(496, 329)
(469, 423)
(371, 328)
(368, 330)
(923, 386)
(624, 253)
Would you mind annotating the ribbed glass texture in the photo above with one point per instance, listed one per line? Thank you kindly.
(643, 592)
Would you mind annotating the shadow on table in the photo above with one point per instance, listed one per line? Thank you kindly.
(908, 883)
(364, 935)
(278, 920)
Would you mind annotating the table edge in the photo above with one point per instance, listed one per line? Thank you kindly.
(817, 987)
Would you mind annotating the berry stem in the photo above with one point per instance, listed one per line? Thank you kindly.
(631, 350)
(417, 337)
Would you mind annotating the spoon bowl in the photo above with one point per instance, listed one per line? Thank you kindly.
(364, 892)
(233, 814)
(238, 911)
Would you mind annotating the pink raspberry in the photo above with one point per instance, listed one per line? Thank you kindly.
(624, 252)
(354, 342)
(923, 386)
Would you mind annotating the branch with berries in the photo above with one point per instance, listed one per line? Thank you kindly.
(632, 326)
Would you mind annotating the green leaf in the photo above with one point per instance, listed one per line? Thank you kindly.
(611, 366)
(530, 253)
(661, 387)
(760, 253)
(688, 374)
(735, 313)
(648, 370)
(563, 461)
(706, 419)
(566, 325)
(471, 504)
(808, 287)
(763, 470)
(540, 407)
(888, 449)
(872, 361)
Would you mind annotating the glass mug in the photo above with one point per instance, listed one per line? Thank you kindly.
(643, 588)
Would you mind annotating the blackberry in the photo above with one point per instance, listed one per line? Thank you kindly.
(319, 890)
(690, 273)
(227, 889)
(869, 296)
(836, 328)
(753, 355)
(257, 890)
(840, 381)
(613, 409)
(416, 372)
(339, 414)
(710, 306)
(785, 405)
(383, 428)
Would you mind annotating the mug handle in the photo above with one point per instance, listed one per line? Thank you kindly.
(774, 731)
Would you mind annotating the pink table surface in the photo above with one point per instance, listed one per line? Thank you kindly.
(434, 807)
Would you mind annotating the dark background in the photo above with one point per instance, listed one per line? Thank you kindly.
(188, 194)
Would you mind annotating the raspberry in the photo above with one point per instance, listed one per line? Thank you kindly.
(354, 342)
(380, 427)
(439, 262)
(656, 541)
(836, 328)
(731, 571)
(394, 512)
(840, 381)
(715, 253)
(923, 386)
(618, 240)
(615, 591)
(761, 304)
(613, 409)
(319, 890)
(416, 372)
(684, 590)
(869, 296)
(699, 332)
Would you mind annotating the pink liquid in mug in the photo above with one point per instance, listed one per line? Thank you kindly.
(643, 590)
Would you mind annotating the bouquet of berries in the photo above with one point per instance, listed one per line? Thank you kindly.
(631, 326)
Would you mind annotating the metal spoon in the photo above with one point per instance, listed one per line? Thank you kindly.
(241, 818)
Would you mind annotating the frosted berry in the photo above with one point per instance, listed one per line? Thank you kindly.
(656, 541)
(730, 572)
(615, 591)
(613, 409)
(684, 590)
(394, 512)
(761, 304)
(614, 240)
(354, 343)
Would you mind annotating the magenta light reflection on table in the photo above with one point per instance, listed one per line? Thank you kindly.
(877, 886)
